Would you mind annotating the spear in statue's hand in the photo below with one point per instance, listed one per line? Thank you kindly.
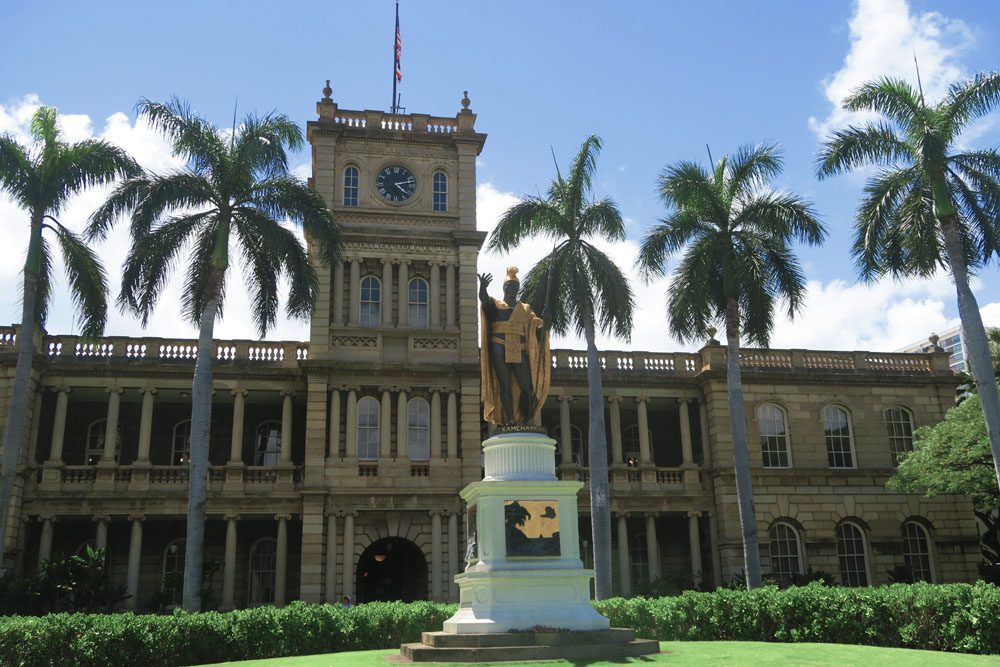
(547, 308)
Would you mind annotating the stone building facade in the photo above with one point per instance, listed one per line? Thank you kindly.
(336, 463)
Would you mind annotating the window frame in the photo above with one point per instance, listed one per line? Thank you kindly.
(370, 309)
(97, 451)
(263, 456)
(176, 593)
(843, 557)
(577, 455)
(785, 576)
(829, 439)
(908, 556)
(421, 431)
(417, 307)
(185, 453)
(770, 438)
(372, 427)
(638, 559)
(254, 576)
(895, 434)
(351, 194)
(439, 192)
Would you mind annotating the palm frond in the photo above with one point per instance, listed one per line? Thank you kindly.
(16, 171)
(287, 197)
(43, 281)
(686, 185)
(529, 217)
(260, 144)
(666, 238)
(83, 165)
(973, 99)
(614, 302)
(878, 209)
(871, 144)
(890, 97)
(581, 174)
(262, 270)
(695, 295)
(87, 282)
(192, 137)
(199, 283)
(751, 167)
(44, 126)
(782, 215)
(602, 218)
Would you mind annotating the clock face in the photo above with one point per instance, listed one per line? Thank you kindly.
(396, 184)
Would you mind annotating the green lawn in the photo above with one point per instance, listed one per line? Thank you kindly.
(748, 654)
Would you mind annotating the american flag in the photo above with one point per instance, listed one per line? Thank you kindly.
(399, 48)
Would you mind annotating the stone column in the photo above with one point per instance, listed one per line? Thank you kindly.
(385, 426)
(236, 441)
(452, 555)
(351, 435)
(334, 438)
(449, 295)
(145, 424)
(59, 425)
(30, 453)
(644, 456)
(330, 591)
(434, 302)
(713, 536)
(348, 560)
(354, 298)
(706, 447)
(281, 559)
(285, 456)
(685, 418)
(101, 531)
(435, 424)
(402, 425)
(386, 293)
(616, 430)
(404, 293)
(565, 430)
(111, 425)
(624, 566)
(229, 563)
(134, 558)
(45, 541)
(338, 294)
(694, 537)
(452, 424)
(435, 555)
(652, 546)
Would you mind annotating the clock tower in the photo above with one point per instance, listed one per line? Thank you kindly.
(393, 416)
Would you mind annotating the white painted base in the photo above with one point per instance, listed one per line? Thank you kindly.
(501, 601)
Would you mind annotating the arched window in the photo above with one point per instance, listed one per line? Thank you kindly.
(268, 444)
(917, 551)
(852, 555)
(578, 455)
(368, 414)
(351, 183)
(638, 555)
(418, 438)
(440, 191)
(95, 441)
(630, 444)
(181, 451)
(417, 303)
(371, 301)
(172, 581)
(899, 423)
(773, 436)
(786, 551)
(839, 437)
(263, 555)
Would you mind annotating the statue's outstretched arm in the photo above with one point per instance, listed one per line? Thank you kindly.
(484, 296)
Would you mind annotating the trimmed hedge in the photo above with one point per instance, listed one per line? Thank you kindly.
(950, 617)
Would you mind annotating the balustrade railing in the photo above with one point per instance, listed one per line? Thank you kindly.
(172, 475)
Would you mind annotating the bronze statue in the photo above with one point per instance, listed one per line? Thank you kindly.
(515, 361)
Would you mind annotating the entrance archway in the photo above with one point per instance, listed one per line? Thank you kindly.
(392, 568)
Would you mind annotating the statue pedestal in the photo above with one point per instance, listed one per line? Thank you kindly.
(523, 561)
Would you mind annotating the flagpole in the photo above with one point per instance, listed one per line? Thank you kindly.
(395, 61)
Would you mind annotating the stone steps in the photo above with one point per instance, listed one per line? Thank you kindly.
(512, 646)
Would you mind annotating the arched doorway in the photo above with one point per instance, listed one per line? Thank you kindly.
(392, 568)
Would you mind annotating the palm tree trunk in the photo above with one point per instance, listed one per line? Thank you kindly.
(600, 501)
(201, 422)
(741, 454)
(17, 413)
(975, 337)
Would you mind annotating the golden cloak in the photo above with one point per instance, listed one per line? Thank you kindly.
(539, 361)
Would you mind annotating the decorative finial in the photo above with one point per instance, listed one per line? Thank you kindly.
(327, 91)
(512, 275)
(934, 338)
(711, 336)
(465, 100)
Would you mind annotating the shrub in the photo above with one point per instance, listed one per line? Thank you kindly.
(949, 617)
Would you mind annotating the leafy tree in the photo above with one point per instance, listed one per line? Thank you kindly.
(733, 233)
(589, 292)
(41, 179)
(953, 457)
(232, 196)
(930, 204)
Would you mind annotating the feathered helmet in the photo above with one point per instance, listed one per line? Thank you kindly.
(511, 276)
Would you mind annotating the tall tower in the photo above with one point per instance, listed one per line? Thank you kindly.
(393, 421)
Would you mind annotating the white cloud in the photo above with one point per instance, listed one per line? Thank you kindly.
(884, 36)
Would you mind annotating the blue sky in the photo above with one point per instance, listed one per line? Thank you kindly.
(656, 80)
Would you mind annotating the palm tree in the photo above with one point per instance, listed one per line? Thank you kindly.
(41, 179)
(929, 205)
(589, 292)
(734, 234)
(231, 196)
